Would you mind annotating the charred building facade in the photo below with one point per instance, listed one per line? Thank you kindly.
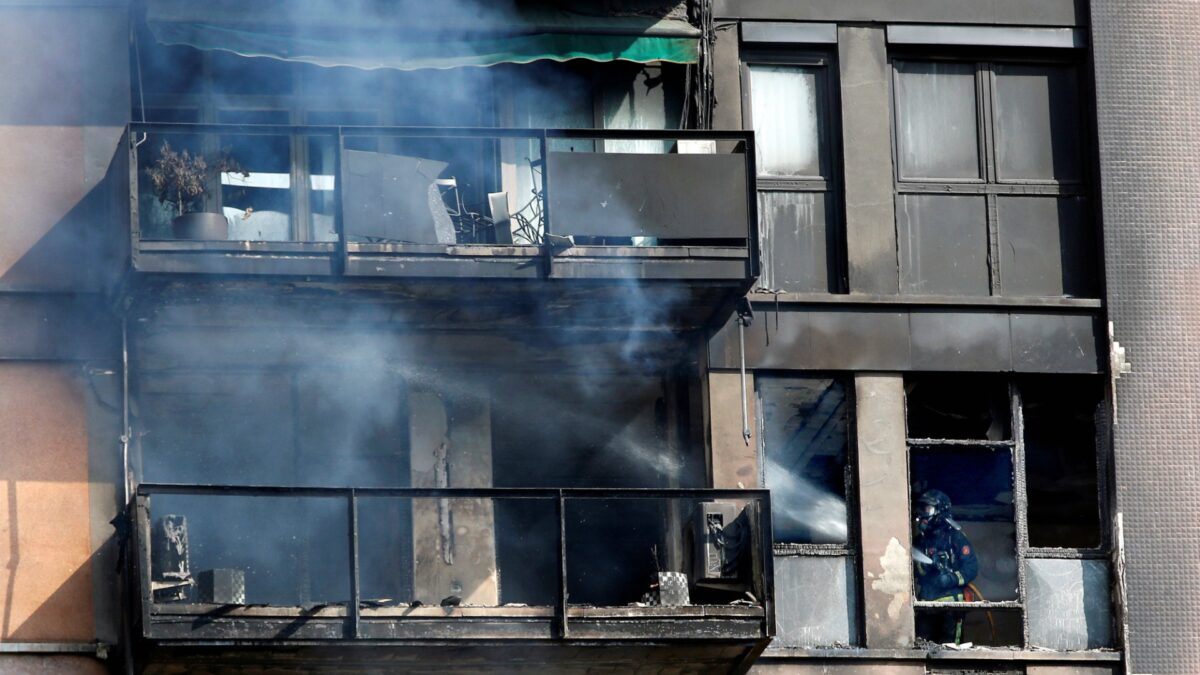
(596, 336)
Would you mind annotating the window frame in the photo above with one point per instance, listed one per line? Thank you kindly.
(1023, 551)
(850, 550)
(830, 185)
(989, 185)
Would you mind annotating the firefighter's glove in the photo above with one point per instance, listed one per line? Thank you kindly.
(947, 580)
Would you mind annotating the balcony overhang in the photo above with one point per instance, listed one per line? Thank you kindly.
(675, 212)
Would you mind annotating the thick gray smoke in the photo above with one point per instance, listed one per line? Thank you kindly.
(266, 384)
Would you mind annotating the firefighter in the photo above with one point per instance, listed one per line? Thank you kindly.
(951, 565)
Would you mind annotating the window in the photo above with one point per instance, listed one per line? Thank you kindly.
(789, 104)
(990, 179)
(804, 432)
(1019, 461)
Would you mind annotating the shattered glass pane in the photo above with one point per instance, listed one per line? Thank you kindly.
(815, 601)
(804, 438)
(1069, 606)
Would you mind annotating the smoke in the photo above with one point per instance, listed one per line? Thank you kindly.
(311, 385)
(803, 510)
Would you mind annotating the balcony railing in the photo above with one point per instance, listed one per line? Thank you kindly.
(422, 202)
(282, 564)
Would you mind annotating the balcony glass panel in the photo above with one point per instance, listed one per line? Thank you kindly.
(248, 550)
(296, 564)
(393, 199)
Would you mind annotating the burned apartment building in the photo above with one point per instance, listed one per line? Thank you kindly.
(605, 336)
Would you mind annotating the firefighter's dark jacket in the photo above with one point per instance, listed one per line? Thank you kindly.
(954, 566)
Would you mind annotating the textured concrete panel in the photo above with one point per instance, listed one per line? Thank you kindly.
(31, 664)
(734, 461)
(64, 98)
(883, 510)
(1146, 58)
(46, 581)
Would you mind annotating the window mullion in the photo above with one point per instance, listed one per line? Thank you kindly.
(1020, 500)
(987, 136)
(987, 158)
(993, 241)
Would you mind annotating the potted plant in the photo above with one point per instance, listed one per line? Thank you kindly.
(180, 178)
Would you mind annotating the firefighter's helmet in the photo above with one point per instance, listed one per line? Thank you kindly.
(931, 507)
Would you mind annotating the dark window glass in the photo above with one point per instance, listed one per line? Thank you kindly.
(1060, 461)
(936, 120)
(1037, 122)
(795, 242)
(962, 227)
(799, 241)
(804, 438)
(958, 407)
(943, 244)
(1046, 246)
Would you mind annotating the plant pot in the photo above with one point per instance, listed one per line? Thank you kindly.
(208, 226)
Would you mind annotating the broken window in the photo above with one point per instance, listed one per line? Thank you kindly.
(804, 432)
(991, 196)
(1007, 491)
(790, 109)
(1061, 464)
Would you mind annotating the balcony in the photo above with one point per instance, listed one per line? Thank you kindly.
(513, 207)
(330, 568)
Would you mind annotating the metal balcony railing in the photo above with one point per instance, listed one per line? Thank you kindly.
(318, 563)
(343, 199)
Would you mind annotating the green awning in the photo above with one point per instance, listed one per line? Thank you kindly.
(412, 41)
(417, 54)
